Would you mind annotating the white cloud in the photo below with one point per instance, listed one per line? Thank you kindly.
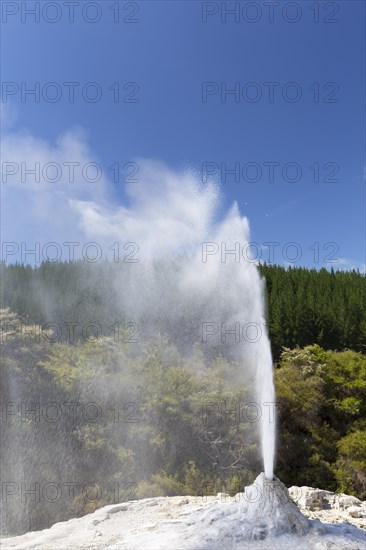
(349, 264)
(38, 182)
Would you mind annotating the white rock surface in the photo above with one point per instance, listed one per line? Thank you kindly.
(212, 523)
(328, 506)
(313, 499)
(357, 511)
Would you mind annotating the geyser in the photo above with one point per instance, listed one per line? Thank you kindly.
(205, 277)
(191, 286)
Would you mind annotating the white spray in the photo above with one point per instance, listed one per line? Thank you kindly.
(212, 294)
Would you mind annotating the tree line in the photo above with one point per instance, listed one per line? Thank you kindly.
(304, 306)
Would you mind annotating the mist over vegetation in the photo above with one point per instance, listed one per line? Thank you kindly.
(97, 411)
(304, 306)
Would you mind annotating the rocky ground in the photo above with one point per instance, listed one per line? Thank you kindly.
(335, 522)
(329, 507)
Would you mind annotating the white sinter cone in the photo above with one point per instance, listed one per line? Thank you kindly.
(269, 511)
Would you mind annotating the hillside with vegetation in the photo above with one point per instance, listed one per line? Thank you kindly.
(117, 420)
(305, 306)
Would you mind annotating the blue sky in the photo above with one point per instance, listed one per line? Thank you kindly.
(169, 53)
